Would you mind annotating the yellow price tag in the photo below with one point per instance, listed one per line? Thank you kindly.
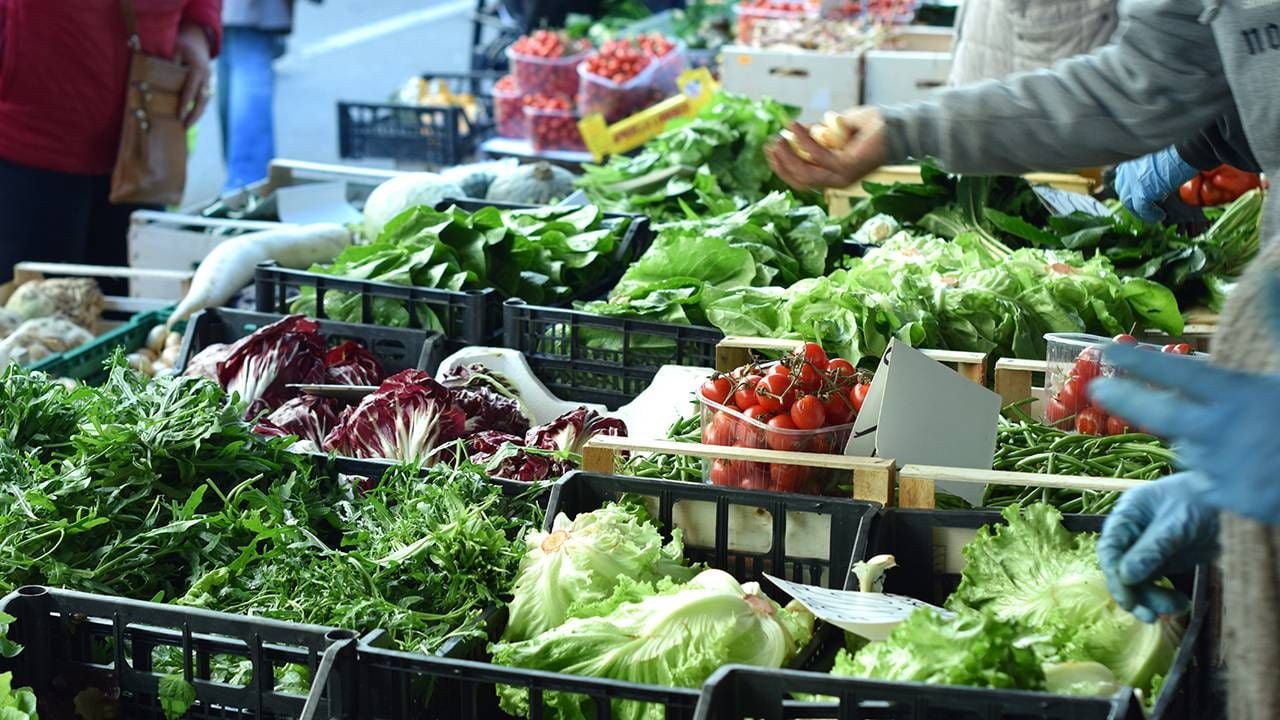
(696, 89)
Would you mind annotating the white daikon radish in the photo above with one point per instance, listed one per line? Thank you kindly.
(230, 266)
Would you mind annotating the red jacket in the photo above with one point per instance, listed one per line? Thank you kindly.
(63, 68)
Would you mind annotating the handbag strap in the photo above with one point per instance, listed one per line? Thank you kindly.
(130, 25)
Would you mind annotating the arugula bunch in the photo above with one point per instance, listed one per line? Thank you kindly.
(541, 255)
(707, 165)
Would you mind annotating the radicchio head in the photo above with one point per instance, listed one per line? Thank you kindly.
(260, 366)
(308, 417)
(405, 419)
(352, 364)
(571, 431)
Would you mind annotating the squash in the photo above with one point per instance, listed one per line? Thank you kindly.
(401, 193)
(538, 184)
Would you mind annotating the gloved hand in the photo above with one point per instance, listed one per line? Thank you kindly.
(1223, 423)
(1143, 182)
(1154, 530)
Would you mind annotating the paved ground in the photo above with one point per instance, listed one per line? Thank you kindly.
(343, 49)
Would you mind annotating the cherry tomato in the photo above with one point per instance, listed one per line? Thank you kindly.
(841, 371)
(722, 473)
(722, 430)
(745, 395)
(774, 392)
(1125, 339)
(752, 475)
(780, 369)
(1057, 414)
(748, 434)
(838, 407)
(815, 355)
(717, 390)
(1189, 191)
(809, 379)
(1091, 421)
(1177, 349)
(858, 395)
(808, 414)
(1232, 182)
(1087, 365)
(1116, 426)
(1074, 394)
(788, 478)
(782, 440)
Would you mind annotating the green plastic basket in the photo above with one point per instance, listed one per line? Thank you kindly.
(85, 362)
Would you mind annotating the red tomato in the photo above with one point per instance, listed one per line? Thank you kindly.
(1091, 421)
(841, 371)
(717, 390)
(1232, 182)
(780, 369)
(782, 440)
(1125, 339)
(748, 434)
(1116, 426)
(1074, 394)
(858, 395)
(723, 429)
(838, 407)
(1087, 365)
(808, 414)
(722, 473)
(810, 379)
(745, 395)
(815, 355)
(752, 475)
(789, 478)
(1177, 349)
(1189, 191)
(1056, 413)
(774, 392)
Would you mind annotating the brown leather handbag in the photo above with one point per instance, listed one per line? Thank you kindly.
(151, 164)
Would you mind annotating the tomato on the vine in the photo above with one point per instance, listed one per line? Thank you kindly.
(815, 355)
(807, 413)
(780, 369)
(841, 370)
(809, 378)
(1088, 366)
(722, 473)
(774, 392)
(722, 430)
(858, 395)
(745, 396)
(782, 440)
(789, 478)
(717, 389)
(838, 407)
(1125, 339)
(1091, 421)
(748, 434)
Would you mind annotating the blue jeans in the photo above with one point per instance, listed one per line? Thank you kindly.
(246, 89)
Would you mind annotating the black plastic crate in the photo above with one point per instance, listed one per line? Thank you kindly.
(737, 693)
(397, 348)
(467, 317)
(586, 357)
(801, 538)
(926, 545)
(435, 135)
(73, 642)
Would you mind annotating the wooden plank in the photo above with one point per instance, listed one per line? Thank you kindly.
(875, 484)
(599, 459)
(732, 452)
(1013, 378)
(935, 474)
(916, 492)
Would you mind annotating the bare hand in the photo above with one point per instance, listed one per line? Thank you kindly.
(831, 168)
(192, 50)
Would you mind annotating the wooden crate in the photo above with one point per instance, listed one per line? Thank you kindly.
(735, 351)
(839, 201)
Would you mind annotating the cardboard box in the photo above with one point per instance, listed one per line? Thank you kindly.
(814, 82)
(916, 63)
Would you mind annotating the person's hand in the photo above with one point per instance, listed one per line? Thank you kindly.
(1155, 530)
(192, 50)
(1223, 423)
(1144, 182)
(828, 168)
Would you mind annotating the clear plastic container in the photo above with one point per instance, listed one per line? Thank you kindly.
(546, 76)
(508, 111)
(1075, 361)
(725, 426)
(597, 94)
(554, 130)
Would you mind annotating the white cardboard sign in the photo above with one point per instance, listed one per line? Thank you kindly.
(872, 615)
(920, 412)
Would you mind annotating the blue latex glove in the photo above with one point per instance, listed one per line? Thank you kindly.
(1155, 530)
(1225, 424)
(1143, 182)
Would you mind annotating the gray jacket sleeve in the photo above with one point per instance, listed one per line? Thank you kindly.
(1159, 81)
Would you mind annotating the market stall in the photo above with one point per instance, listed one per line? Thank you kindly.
(652, 436)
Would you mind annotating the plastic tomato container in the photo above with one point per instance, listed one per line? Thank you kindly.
(1075, 361)
(554, 129)
(723, 425)
(508, 113)
(657, 82)
(546, 76)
